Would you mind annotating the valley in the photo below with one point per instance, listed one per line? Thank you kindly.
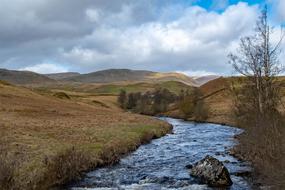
(142, 95)
(40, 131)
(53, 132)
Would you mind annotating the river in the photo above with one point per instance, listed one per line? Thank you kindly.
(160, 165)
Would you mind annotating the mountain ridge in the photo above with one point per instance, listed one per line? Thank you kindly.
(101, 77)
(127, 75)
(61, 76)
(23, 77)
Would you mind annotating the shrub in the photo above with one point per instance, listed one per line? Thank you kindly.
(256, 104)
(201, 111)
(263, 144)
(61, 95)
(100, 104)
(186, 106)
(122, 99)
(5, 83)
(7, 168)
(67, 166)
(192, 105)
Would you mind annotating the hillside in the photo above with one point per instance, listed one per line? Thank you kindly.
(178, 77)
(23, 77)
(215, 85)
(109, 76)
(204, 79)
(61, 76)
(43, 136)
(218, 99)
(115, 88)
(126, 75)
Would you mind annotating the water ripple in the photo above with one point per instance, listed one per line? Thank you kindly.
(160, 165)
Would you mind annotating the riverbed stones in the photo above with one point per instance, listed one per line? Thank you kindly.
(212, 172)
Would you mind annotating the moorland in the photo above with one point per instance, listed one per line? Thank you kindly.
(56, 127)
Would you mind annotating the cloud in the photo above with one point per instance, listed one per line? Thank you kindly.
(220, 4)
(277, 10)
(91, 35)
(45, 68)
(93, 15)
(281, 9)
(30, 20)
(197, 40)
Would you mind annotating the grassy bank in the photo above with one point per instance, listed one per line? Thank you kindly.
(52, 129)
(217, 97)
(114, 88)
(47, 141)
(262, 143)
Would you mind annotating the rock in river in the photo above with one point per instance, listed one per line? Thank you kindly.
(212, 172)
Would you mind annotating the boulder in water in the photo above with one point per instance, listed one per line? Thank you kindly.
(211, 172)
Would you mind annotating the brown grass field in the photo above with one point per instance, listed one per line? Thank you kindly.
(48, 140)
(52, 134)
(219, 99)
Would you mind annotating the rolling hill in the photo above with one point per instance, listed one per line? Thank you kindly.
(110, 76)
(204, 79)
(115, 88)
(126, 75)
(40, 133)
(24, 77)
(61, 76)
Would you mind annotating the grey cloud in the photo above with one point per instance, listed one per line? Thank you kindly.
(182, 44)
(32, 31)
(25, 21)
(28, 20)
(155, 35)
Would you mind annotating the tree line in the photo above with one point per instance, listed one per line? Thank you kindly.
(189, 102)
(149, 103)
(192, 105)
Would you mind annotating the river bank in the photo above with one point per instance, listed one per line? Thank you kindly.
(161, 164)
(257, 175)
(47, 141)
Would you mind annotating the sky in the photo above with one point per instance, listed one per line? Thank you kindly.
(189, 36)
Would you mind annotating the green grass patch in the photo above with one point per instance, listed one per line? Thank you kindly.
(115, 89)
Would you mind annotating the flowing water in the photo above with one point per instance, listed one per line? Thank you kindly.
(161, 164)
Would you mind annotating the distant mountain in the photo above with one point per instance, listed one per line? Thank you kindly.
(126, 75)
(23, 77)
(111, 75)
(204, 79)
(164, 77)
(61, 76)
(101, 77)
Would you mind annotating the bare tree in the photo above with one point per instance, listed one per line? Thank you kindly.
(257, 99)
(257, 60)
